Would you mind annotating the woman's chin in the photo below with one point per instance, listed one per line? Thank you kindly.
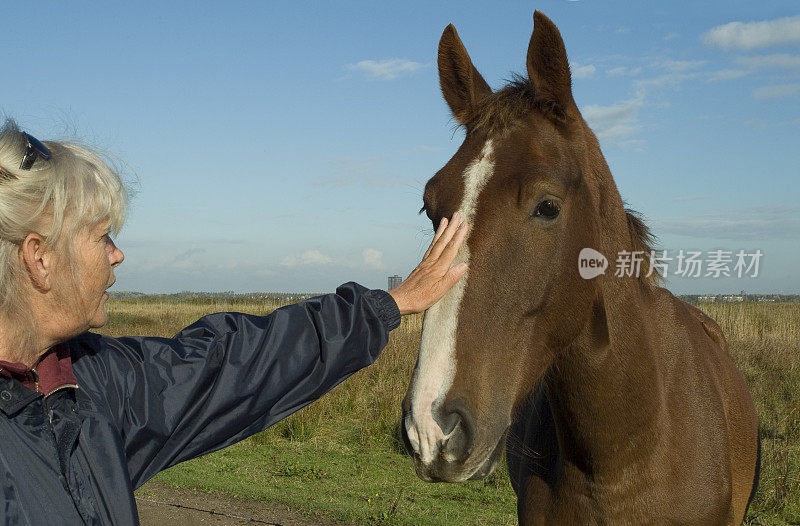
(99, 319)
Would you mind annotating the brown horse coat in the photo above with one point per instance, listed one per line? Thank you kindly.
(617, 402)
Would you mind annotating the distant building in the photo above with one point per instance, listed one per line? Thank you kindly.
(394, 281)
(732, 297)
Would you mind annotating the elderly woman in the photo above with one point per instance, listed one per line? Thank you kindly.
(84, 418)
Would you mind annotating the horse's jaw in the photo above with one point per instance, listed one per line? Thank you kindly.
(491, 462)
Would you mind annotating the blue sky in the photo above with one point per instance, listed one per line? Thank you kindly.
(285, 147)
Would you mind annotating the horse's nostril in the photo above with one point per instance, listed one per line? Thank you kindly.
(448, 421)
(458, 426)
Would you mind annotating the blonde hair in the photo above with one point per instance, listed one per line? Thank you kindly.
(55, 198)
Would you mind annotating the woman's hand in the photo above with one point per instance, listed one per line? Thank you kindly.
(433, 276)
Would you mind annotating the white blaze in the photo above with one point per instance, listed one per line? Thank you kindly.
(436, 365)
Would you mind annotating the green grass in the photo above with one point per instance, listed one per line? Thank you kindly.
(341, 457)
(347, 484)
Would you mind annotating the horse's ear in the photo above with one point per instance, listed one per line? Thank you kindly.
(462, 85)
(548, 67)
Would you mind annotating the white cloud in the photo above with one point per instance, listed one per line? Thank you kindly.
(623, 71)
(725, 74)
(187, 254)
(776, 92)
(386, 69)
(365, 171)
(671, 36)
(670, 73)
(631, 144)
(674, 73)
(668, 79)
(309, 257)
(373, 258)
(692, 197)
(752, 223)
(603, 116)
(752, 35)
(680, 66)
(582, 72)
(756, 124)
(616, 123)
(679, 71)
(775, 61)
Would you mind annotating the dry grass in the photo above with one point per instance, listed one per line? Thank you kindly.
(764, 340)
(364, 412)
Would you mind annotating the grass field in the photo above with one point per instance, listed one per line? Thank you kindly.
(341, 457)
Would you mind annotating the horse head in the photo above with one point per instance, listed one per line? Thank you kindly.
(532, 182)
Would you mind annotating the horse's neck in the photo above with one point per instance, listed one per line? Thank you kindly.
(603, 389)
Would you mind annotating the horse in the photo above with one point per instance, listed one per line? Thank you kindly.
(616, 402)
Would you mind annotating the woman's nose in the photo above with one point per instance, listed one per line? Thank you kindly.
(116, 256)
(119, 257)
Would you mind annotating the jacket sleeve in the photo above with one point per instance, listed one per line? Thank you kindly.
(230, 375)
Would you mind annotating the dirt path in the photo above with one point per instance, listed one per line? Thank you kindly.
(160, 505)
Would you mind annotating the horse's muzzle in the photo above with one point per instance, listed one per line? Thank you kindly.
(448, 459)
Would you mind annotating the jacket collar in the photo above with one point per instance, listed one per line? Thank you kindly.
(51, 373)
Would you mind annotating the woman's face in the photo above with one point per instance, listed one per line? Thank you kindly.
(96, 255)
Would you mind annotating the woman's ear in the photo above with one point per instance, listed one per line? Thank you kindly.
(39, 261)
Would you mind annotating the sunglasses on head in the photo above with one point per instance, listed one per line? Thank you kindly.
(35, 150)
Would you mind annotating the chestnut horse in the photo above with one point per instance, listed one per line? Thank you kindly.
(620, 402)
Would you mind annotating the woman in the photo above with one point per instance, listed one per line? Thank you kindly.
(84, 418)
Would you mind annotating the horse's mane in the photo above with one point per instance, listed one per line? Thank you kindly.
(643, 240)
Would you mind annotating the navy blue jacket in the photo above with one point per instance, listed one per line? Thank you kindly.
(145, 404)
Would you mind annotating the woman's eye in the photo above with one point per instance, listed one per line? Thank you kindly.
(547, 209)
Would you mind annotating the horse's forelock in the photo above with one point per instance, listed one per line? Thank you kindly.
(501, 109)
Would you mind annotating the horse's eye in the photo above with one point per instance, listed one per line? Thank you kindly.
(547, 209)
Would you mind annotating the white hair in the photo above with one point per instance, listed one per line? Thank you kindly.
(55, 198)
